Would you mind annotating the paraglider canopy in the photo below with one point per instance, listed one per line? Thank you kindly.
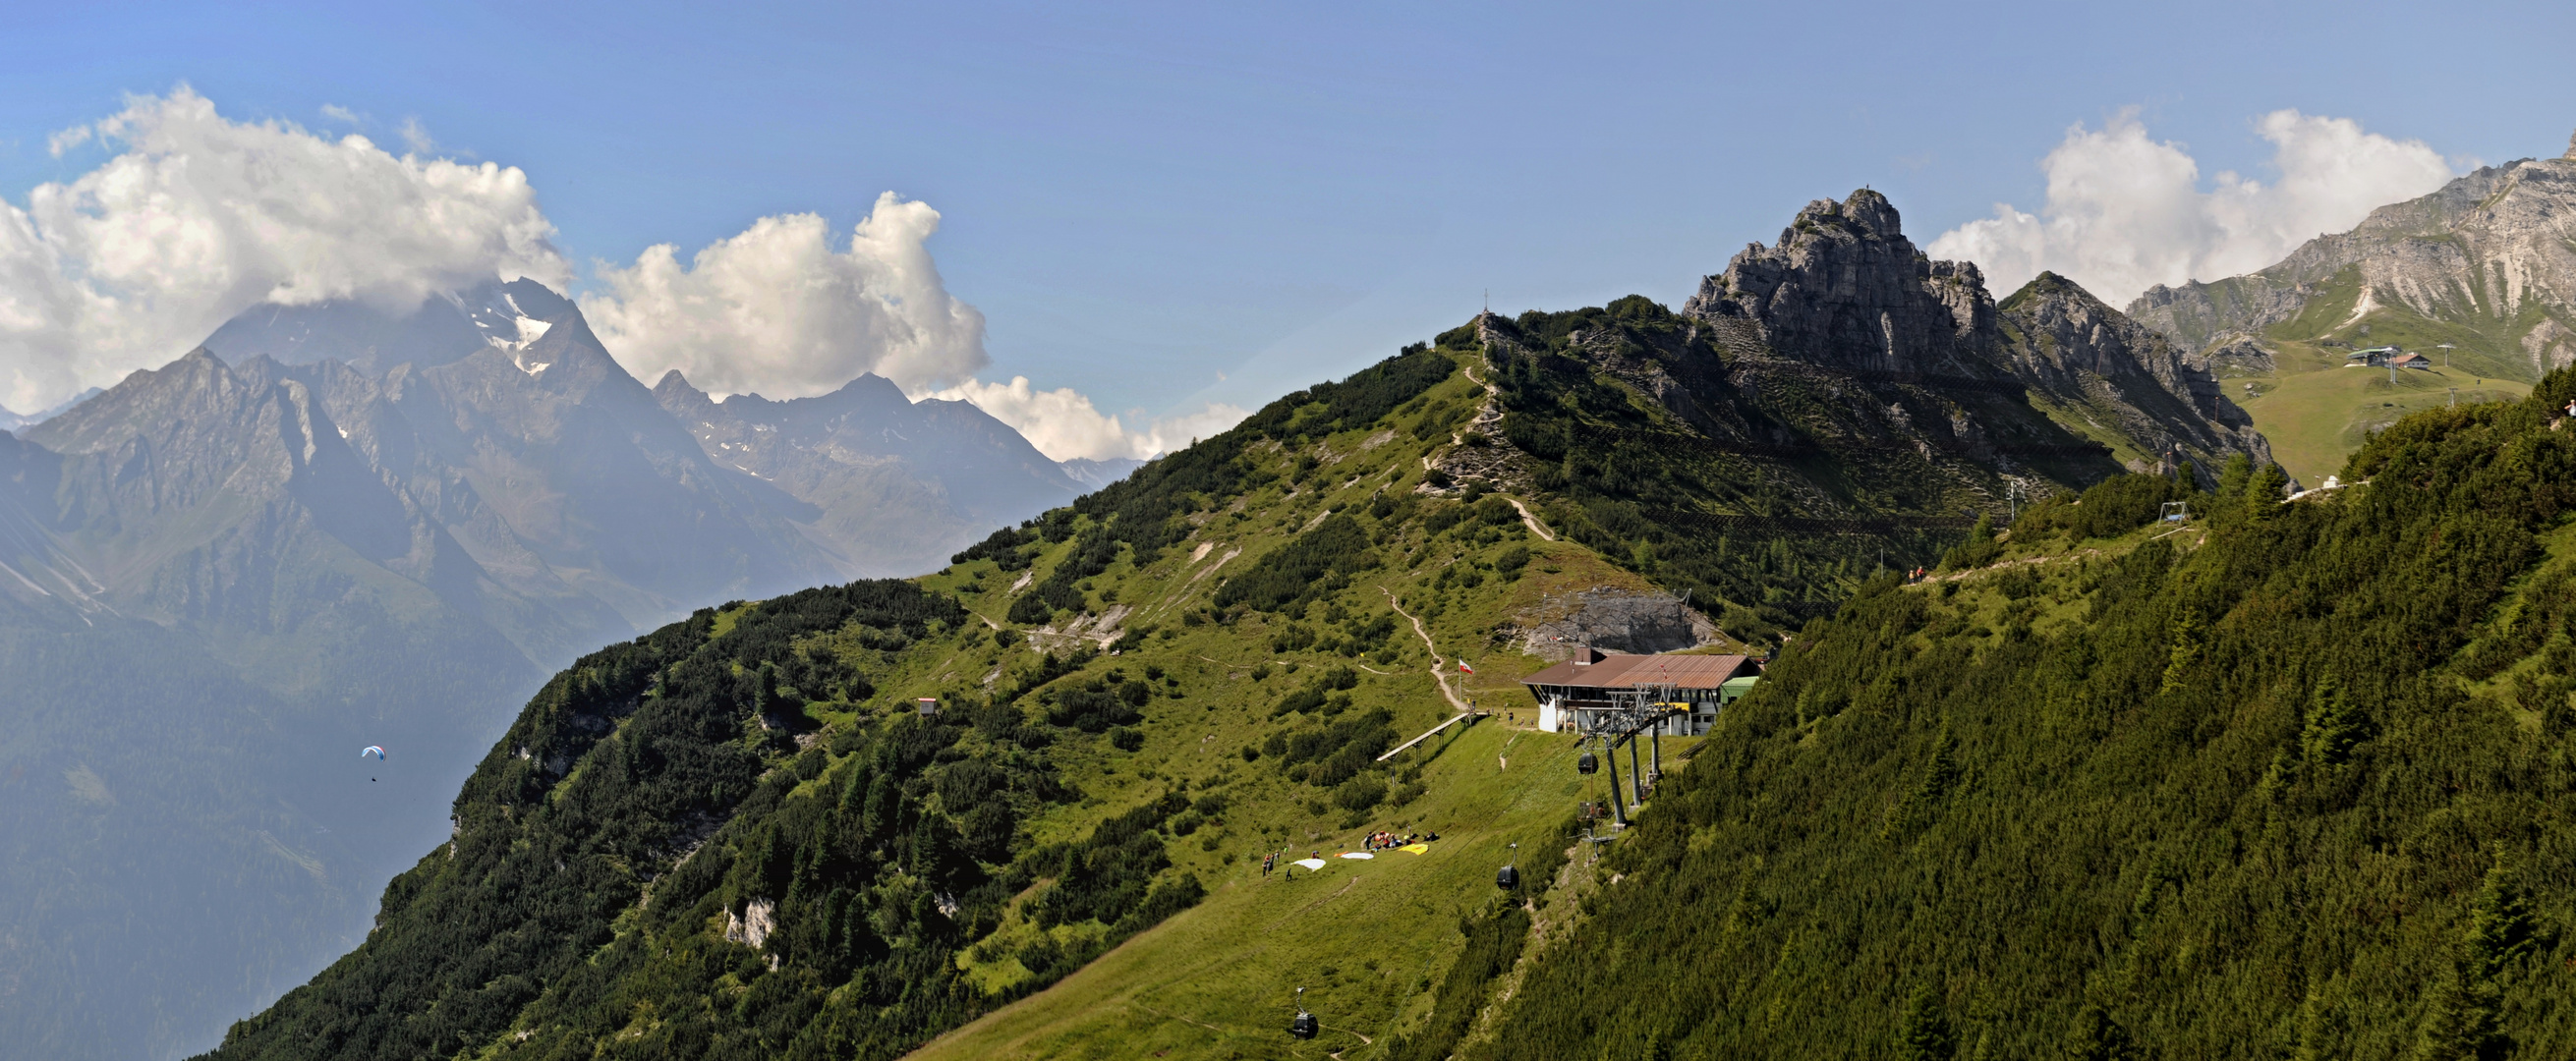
(375, 750)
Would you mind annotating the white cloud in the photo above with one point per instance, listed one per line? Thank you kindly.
(776, 310)
(199, 218)
(2125, 212)
(67, 140)
(1062, 423)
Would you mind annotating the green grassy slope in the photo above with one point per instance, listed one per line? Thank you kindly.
(1129, 721)
(2293, 781)
(2317, 412)
(732, 838)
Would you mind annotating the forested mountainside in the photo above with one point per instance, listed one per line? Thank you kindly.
(736, 837)
(739, 828)
(2289, 780)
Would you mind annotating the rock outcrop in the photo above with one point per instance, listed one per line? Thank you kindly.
(2094, 362)
(1846, 290)
(1613, 619)
(2494, 250)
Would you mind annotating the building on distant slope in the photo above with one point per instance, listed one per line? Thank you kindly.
(1570, 691)
(2411, 361)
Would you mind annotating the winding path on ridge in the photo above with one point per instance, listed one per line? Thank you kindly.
(1487, 415)
(1425, 635)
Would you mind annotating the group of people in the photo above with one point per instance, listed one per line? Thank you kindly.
(1271, 861)
(1380, 841)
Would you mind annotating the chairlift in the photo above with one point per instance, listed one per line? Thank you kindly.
(1305, 1025)
(1508, 878)
(2176, 512)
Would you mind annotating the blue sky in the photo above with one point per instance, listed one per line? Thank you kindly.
(1163, 206)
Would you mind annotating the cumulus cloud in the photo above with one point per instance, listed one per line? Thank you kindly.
(1062, 423)
(2125, 212)
(778, 310)
(198, 217)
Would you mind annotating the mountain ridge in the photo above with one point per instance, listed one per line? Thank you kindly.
(2490, 246)
(744, 835)
(2476, 276)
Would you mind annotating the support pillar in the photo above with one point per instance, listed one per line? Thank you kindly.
(1618, 806)
(1636, 777)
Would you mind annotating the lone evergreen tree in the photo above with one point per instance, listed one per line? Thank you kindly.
(1926, 1033)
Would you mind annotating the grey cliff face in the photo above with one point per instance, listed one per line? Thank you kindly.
(2495, 249)
(2073, 347)
(1844, 287)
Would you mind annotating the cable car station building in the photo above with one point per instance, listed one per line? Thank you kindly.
(1571, 693)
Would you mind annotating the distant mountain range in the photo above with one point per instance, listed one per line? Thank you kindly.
(10, 421)
(331, 527)
(2479, 275)
(2494, 251)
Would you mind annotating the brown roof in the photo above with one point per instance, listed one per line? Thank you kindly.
(1620, 672)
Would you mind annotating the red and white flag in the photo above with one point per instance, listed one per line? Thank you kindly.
(1463, 668)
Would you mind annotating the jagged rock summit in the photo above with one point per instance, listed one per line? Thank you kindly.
(1845, 289)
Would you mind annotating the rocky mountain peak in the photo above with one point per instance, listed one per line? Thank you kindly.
(2067, 342)
(2494, 250)
(145, 402)
(1845, 288)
